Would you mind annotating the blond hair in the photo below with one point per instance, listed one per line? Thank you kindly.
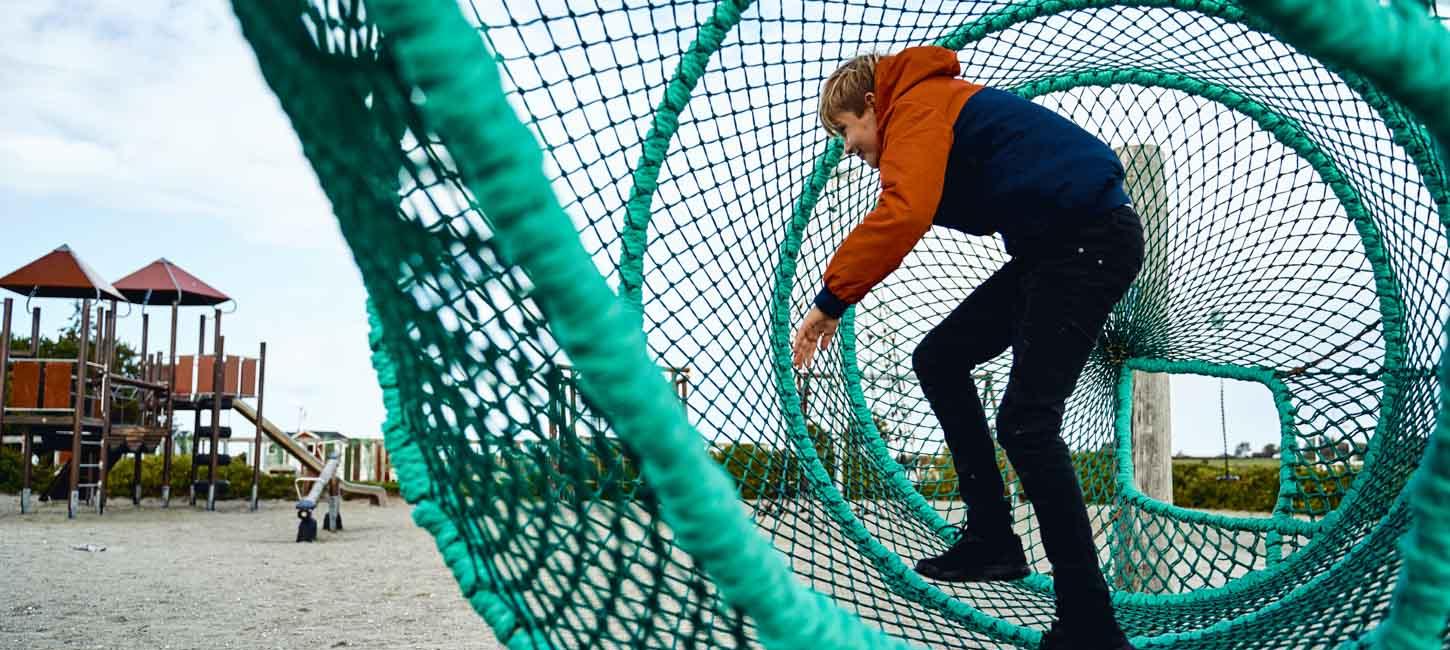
(846, 89)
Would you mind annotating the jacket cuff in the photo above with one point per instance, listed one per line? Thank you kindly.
(830, 304)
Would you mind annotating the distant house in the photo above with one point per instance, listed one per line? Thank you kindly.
(363, 459)
(320, 443)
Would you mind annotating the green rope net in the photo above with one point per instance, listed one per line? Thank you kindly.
(580, 317)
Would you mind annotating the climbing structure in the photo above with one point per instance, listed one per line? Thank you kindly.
(616, 189)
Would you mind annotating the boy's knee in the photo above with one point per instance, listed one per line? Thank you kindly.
(937, 349)
(926, 356)
(947, 356)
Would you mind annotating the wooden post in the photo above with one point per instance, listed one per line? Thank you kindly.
(1153, 435)
(5, 308)
(378, 463)
(1146, 184)
(25, 445)
(196, 409)
(78, 413)
(35, 332)
(1152, 423)
(257, 440)
(145, 355)
(146, 367)
(108, 365)
(216, 411)
(170, 418)
(5, 312)
(100, 333)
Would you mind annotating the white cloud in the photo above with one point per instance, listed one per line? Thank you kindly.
(157, 107)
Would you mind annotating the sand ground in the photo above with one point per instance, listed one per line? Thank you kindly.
(183, 578)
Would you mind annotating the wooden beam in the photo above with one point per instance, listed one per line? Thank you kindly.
(1147, 185)
(1137, 564)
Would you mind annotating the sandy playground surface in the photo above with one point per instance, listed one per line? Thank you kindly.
(184, 578)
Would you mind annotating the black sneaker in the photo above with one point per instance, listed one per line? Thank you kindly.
(977, 559)
(1058, 639)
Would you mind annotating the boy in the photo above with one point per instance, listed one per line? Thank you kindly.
(983, 161)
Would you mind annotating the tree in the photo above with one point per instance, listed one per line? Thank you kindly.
(1270, 450)
(1243, 450)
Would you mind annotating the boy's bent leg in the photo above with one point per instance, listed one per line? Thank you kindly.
(1067, 298)
(976, 331)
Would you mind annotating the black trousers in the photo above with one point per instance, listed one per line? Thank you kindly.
(1049, 304)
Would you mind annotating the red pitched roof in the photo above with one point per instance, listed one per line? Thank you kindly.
(59, 274)
(164, 283)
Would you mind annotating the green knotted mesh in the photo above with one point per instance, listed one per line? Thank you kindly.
(587, 230)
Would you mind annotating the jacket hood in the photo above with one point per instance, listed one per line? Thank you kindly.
(898, 73)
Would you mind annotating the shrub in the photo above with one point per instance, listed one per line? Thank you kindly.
(761, 471)
(11, 471)
(1320, 489)
(1195, 484)
(936, 477)
(238, 474)
(1097, 474)
(1199, 485)
(390, 486)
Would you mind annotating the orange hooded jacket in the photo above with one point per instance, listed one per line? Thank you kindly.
(918, 97)
(1000, 164)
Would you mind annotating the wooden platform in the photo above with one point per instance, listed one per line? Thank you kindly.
(53, 422)
(128, 437)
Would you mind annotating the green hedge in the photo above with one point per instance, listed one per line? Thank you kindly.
(390, 486)
(571, 468)
(599, 469)
(118, 479)
(762, 472)
(1320, 490)
(10, 471)
(1199, 485)
(936, 477)
(238, 474)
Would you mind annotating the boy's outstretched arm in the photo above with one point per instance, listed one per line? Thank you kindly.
(914, 155)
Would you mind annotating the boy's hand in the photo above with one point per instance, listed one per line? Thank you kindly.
(815, 332)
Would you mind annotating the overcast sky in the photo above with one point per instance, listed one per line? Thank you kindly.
(138, 130)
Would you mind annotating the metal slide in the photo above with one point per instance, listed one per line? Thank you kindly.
(378, 495)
